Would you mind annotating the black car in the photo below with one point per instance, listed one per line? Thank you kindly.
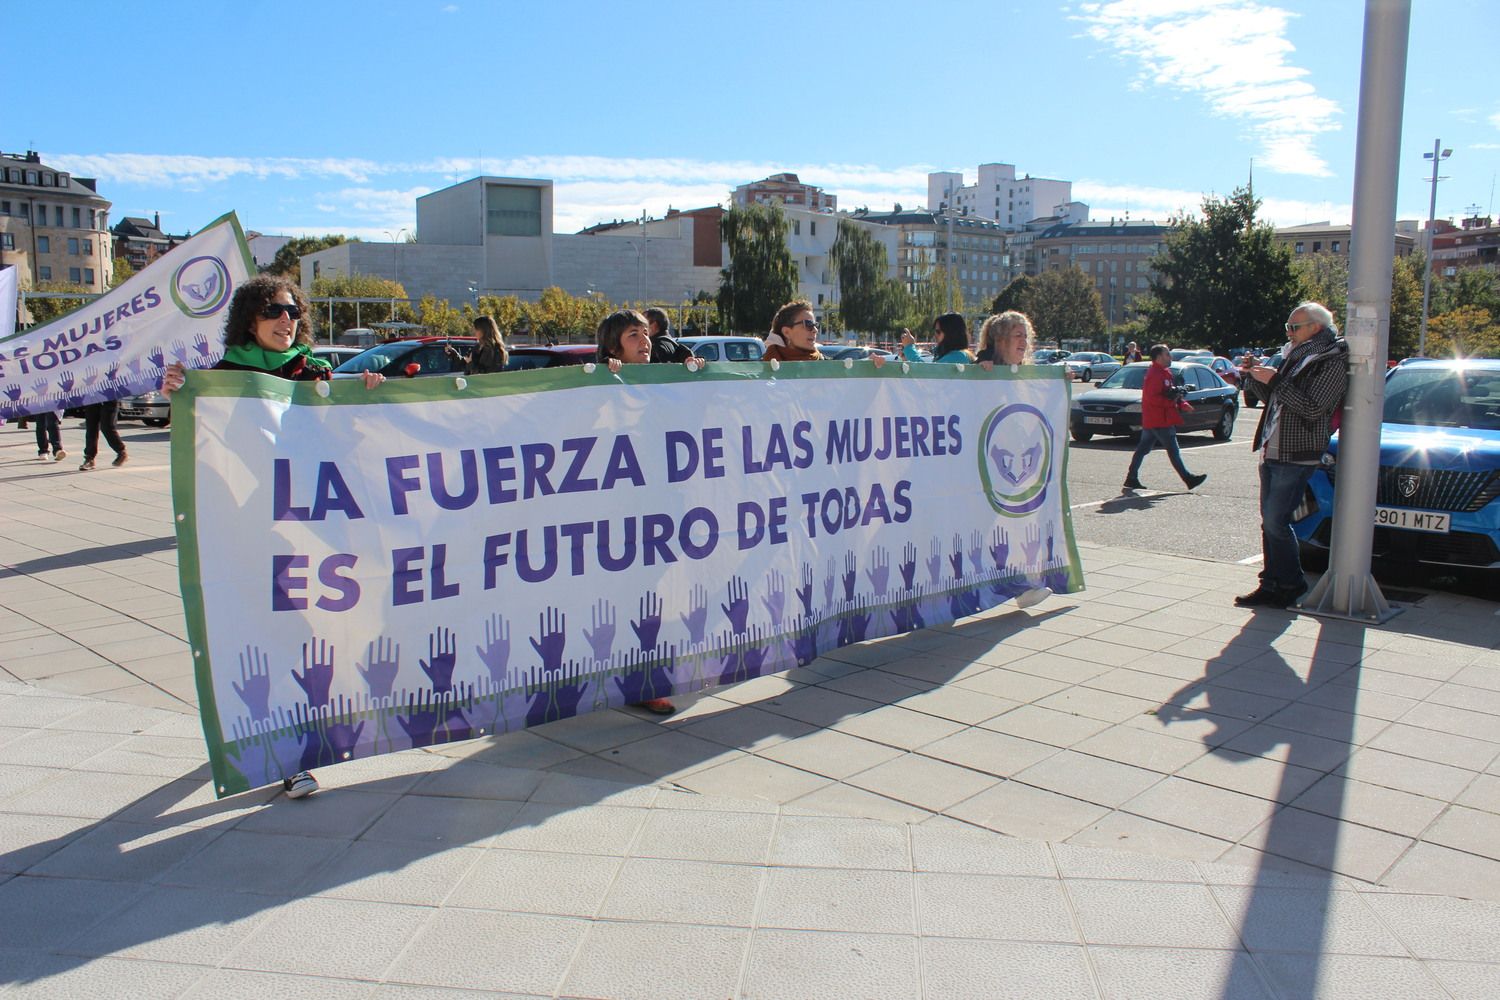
(1115, 407)
(409, 358)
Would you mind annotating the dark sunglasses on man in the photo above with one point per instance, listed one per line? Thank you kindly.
(271, 310)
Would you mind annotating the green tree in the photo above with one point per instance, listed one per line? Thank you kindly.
(1323, 277)
(1065, 306)
(869, 298)
(1016, 295)
(288, 260)
(505, 310)
(1465, 332)
(121, 272)
(761, 276)
(1221, 280)
(441, 319)
(1406, 306)
(360, 286)
(46, 310)
(1471, 286)
(932, 296)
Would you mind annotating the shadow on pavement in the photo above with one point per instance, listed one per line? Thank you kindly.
(90, 557)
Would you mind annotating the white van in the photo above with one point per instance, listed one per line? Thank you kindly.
(725, 348)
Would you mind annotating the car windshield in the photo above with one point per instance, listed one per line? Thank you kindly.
(1129, 377)
(374, 359)
(1444, 397)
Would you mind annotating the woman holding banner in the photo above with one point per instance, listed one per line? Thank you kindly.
(794, 334)
(264, 333)
(1006, 339)
(950, 341)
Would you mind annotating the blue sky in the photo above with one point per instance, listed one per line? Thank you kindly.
(334, 116)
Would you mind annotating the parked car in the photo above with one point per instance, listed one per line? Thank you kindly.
(833, 352)
(1115, 407)
(527, 358)
(336, 355)
(150, 408)
(409, 358)
(725, 348)
(1096, 364)
(1224, 368)
(1183, 353)
(1436, 495)
(1077, 367)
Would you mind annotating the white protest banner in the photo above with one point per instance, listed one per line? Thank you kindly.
(118, 344)
(9, 300)
(443, 558)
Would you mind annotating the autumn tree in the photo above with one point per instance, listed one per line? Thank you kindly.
(1406, 306)
(1221, 280)
(1065, 306)
(1465, 332)
(761, 276)
(48, 309)
(288, 260)
(120, 272)
(441, 319)
(359, 286)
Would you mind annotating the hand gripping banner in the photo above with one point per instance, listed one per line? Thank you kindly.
(118, 344)
(438, 559)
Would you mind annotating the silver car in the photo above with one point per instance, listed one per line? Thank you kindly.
(151, 408)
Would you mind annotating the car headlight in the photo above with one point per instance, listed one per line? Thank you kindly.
(1131, 408)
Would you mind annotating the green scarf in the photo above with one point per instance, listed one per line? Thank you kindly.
(252, 355)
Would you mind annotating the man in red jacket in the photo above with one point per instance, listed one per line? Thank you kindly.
(1162, 404)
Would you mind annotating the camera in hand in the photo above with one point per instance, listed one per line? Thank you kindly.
(1175, 393)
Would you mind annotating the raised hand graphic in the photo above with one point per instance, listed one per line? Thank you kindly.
(421, 719)
(112, 372)
(976, 551)
(201, 345)
(804, 592)
(179, 352)
(255, 692)
(956, 560)
(829, 579)
(383, 657)
(879, 573)
(495, 653)
(908, 566)
(1033, 544)
(851, 575)
(805, 645)
(648, 627)
(935, 563)
(775, 599)
(551, 637)
(40, 387)
(1051, 539)
(696, 620)
(738, 608)
(90, 376)
(13, 392)
(317, 671)
(65, 382)
(601, 634)
(157, 358)
(442, 653)
(999, 548)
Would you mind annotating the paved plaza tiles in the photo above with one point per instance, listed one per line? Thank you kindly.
(1135, 791)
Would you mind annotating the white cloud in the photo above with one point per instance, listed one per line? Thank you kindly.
(1495, 119)
(1235, 54)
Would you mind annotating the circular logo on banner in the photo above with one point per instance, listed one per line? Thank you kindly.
(1015, 459)
(200, 287)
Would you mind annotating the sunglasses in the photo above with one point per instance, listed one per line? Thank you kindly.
(1292, 327)
(271, 310)
(811, 324)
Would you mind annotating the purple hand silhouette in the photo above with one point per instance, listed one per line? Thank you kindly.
(829, 580)
(956, 560)
(157, 358)
(13, 391)
(602, 639)
(908, 566)
(442, 653)
(696, 620)
(65, 383)
(384, 659)
(1051, 538)
(317, 672)
(40, 387)
(90, 376)
(851, 575)
(805, 646)
(649, 625)
(343, 738)
(1033, 544)
(738, 608)
(112, 372)
(179, 352)
(134, 366)
(804, 592)
(495, 653)
(775, 599)
(1000, 548)
(976, 550)
(879, 573)
(420, 721)
(200, 344)
(551, 638)
(935, 563)
(256, 690)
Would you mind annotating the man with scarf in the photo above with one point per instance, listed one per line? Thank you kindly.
(1301, 399)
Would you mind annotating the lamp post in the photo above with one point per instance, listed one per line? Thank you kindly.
(1438, 155)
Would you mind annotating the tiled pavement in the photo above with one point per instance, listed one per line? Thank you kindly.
(1137, 791)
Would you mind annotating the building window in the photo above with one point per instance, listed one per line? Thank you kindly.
(796, 227)
(31, 177)
(93, 219)
(75, 275)
(88, 276)
(4, 208)
(62, 180)
(513, 210)
(77, 218)
(1335, 246)
(25, 211)
(7, 241)
(43, 244)
(1298, 248)
(1317, 245)
(44, 273)
(73, 246)
(812, 227)
(57, 214)
(88, 248)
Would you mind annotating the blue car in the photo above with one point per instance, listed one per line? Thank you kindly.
(1435, 500)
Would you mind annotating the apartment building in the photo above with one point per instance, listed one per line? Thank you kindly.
(53, 226)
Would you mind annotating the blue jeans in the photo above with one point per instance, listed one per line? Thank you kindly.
(1281, 486)
(1158, 437)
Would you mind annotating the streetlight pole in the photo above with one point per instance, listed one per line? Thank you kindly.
(1437, 155)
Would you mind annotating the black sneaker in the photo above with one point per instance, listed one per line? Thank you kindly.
(1261, 597)
(1193, 482)
(1133, 484)
(299, 785)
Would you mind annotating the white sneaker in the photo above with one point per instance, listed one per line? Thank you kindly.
(1032, 597)
(299, 785)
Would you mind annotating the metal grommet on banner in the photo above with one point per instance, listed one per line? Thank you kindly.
(322, 389)
(959, 367)
(1014, 369)
(182, 517)
(588, 367)
(775, 365)
(848, 364)
(460, 383)
(906, 367)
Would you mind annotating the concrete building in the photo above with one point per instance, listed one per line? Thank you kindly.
(999, 195)
(263, 247)
(53, 226)
(973, 249)
(1476, 243)
(787, 190)
(1114, 255)
(493, 236)
(1325, 237)
(140, 240)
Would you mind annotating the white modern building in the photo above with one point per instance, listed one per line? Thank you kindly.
(999, 195)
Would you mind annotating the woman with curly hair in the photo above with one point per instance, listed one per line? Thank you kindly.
(1006, 339)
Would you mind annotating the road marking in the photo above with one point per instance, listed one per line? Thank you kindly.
(1251, 561)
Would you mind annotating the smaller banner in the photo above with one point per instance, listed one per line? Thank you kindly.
(118, 344)
(9, 291)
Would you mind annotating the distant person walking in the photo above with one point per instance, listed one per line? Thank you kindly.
(48, 437)
(1132, 353)
(664, 349)
(101, 417)
(1162, 404)
(1301, 397)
